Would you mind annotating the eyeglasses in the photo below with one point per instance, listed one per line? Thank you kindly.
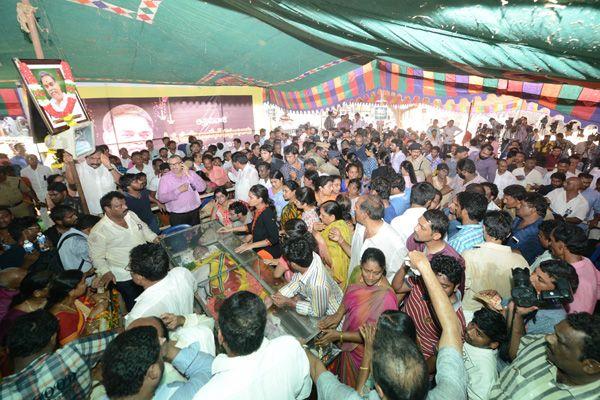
(175, 163)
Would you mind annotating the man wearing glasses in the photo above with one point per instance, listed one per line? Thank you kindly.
(178, 190)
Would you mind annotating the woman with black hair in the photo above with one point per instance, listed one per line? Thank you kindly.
(276, 192)
(334, 229)
(263, 235)
(307, 202)
(324, 189)
(408, 172)
(76, 313)
(384, 168)
(311, 179)
(370, 163)
(33, 292)
(290, 211)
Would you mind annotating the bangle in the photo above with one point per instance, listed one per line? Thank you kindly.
(341, 337)
(364, 368)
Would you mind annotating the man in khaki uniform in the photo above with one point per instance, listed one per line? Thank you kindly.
(12, 190)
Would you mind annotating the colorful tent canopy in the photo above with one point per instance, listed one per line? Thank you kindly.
(400, 84)
(291, 47)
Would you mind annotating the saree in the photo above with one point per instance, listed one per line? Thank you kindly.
(339, 259)
(364, 304)
(71, 325)
(290, 211)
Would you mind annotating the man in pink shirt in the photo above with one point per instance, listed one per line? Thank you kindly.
(216, 174)
(567, 242)
(178, 191)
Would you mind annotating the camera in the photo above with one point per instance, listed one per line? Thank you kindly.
(524, 295)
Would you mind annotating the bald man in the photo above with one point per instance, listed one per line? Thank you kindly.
(10, 280)
(567, 203)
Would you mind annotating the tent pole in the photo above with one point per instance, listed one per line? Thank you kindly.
(33, 32)
(469, 116)
(39, 54)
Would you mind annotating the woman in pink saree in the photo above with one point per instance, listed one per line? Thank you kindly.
(368, 295)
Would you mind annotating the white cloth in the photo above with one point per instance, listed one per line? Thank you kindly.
(110, 244)
(449, 133)
(405, 224)
(504, 180)
(534, 177)
(244, 179)
(577, 207)
(387, 240)
(278, 370)
(151, 178)
(459, 184)
(397, 158)
(481, 371)
(96, 182)
(172, 294)
(37, 177)
(548, 177)
(196, 329)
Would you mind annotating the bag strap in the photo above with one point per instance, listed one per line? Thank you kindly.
(70, 235)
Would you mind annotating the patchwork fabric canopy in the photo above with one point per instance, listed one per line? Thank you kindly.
(313, 54)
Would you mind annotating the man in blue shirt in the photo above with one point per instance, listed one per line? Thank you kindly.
(526, 226)
(380, 186)
(469, 208)
(399, 194)
(133, 366)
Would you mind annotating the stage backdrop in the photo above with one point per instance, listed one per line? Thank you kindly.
(129, 122)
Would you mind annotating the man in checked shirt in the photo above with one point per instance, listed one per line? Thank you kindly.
(41, 372)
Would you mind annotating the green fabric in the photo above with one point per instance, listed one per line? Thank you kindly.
(482, 38)
(266, 42)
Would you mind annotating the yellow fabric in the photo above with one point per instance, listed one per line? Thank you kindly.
(340, 260)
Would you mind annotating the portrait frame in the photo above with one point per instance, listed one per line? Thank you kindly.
(56, 98)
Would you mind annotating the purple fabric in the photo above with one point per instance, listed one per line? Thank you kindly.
(486, 168)
(176, 201)
(6, 296)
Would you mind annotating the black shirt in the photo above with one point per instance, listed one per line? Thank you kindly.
(266, 228)
(142, 208)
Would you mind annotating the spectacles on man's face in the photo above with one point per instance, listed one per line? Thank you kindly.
(174, 163)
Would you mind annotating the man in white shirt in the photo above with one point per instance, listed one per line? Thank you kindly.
(165, 291)
(312, 290)
(110, 242)
(528, 175)
(150, 147)
(372, 231)
(245, 176)
(97, 177)
(172, 148)
(37, 174)
(503, 177)
(396, 155)
(124, 157)
(484, 334)
(449, 132)
(568, 202)
(140, 166)
(421, 196)
(254, 367)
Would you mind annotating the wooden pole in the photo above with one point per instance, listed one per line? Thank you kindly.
(33, 33)
(39, 54)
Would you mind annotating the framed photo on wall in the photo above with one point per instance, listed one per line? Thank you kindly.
(51, 88)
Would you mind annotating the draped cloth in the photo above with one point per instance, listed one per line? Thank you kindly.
(364, 304)
(339, 259)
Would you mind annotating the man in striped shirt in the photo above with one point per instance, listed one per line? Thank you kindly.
(311, 291)
(563, 365)
(418, 306)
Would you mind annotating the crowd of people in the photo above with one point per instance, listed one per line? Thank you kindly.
(441, 270)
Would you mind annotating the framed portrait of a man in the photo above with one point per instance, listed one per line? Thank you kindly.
(52, 89)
